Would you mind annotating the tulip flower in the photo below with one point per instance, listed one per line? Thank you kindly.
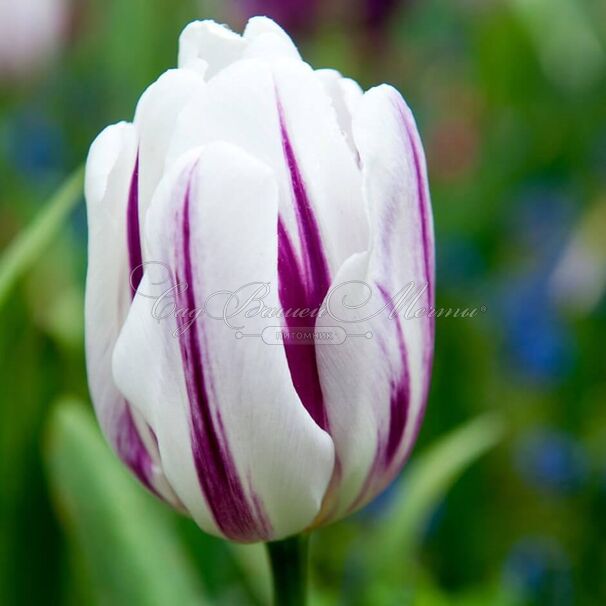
(245, 166)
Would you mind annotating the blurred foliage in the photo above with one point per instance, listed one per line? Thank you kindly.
(25, 250)
(129, 546)
(510, 96)
(129, 549)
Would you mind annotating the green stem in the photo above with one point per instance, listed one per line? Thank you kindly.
(30, 244)
(289, 567)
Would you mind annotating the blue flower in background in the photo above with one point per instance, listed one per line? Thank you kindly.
(35, 144)
(552, 461)
(541, 221)
(538, 570)
(537, 342)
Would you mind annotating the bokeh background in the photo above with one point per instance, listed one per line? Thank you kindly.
(508, 508)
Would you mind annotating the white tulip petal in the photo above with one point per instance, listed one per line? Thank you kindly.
(109, 170)
(327, 166)
(267, 40)
(282, 115)
(331, 222)
(345, 95)
(352, 94)
(241, 106)
(241, 451)
(109, 185)
(246, 168)
(375, 413)
(214, 44)
(155, 118)
(259, 26)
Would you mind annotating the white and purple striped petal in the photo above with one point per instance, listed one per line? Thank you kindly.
(245, 167)
(238, 446)
(375, 413)
(112, 199)
(303, 284)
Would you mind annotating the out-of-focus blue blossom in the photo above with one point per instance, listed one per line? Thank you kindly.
(537, 342)
(294, 15)
(551, 461)
(541, 221)
(539, 571)
(36, 146)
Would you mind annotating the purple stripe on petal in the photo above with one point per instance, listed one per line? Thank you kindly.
(130, 445)
(236, 517)
(422, 196)
(301, 357)
(133, 232)
(389, 444)
(317, 275)
(302, 285)
(427, 240)
(400, 399)
(400, 395)
(132, 450)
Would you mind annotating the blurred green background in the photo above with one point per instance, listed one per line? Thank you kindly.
(508, 508)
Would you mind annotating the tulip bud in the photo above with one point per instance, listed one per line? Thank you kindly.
(253, 235)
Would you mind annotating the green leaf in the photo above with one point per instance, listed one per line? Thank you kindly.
(429, 477)
(126, 539)
(30, 244)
